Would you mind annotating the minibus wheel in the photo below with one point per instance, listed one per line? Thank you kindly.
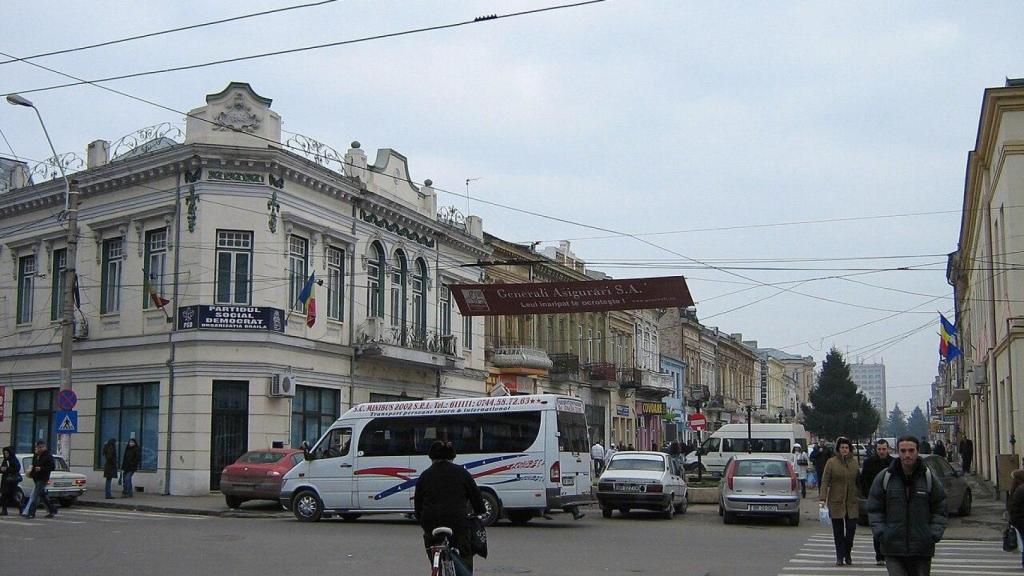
(307, 506)
(493, 509)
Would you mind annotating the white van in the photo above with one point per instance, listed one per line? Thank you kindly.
(528, 454)
(731, 439)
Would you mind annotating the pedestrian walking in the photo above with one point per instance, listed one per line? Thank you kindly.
(1015, 506)
(873, 466)
(907, 510)
(925, 447)
(129, 464)
(597, 455)
(820, 455)
(839, 492)
(42, 467)
(939, 449)
(800, 464)
(109, 466)
(966, 449)
(10, 477)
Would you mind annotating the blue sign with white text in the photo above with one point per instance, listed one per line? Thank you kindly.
(66, 421)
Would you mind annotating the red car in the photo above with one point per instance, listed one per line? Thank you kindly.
(256, 475)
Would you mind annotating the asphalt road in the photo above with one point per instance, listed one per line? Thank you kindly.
(102, 541)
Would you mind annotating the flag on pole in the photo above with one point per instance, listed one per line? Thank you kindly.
(77, 295)
(150, 286)
(947, 348)
(307, 299)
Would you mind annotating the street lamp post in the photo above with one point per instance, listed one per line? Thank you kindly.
(71, 257)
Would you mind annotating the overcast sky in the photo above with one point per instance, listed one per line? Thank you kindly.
(695, 121)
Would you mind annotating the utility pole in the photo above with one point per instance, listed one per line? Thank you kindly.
(68, 320)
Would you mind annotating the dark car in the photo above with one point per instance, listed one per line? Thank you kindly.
(958, 493)
(256, 475)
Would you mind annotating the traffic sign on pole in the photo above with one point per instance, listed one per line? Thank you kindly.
(66, 421)
(697, 421)
(67, 399)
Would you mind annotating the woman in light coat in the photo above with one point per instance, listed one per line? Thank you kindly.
(839, 493)
(800, 464)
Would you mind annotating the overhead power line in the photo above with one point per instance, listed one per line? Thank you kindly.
(477, 20)
(163, 32)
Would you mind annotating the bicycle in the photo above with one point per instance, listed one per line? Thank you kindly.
(443, 561)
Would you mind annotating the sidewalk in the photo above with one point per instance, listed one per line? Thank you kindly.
(206, 505)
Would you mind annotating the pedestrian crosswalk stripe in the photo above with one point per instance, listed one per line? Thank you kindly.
(952, 558)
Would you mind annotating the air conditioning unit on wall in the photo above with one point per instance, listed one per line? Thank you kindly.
(282, 386)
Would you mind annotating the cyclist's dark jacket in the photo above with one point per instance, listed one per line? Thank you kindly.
(441, 497)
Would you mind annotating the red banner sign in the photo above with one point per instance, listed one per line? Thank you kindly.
(562, 297)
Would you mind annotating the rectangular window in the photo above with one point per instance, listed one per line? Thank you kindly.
(374, 296)
(418, 311)
(234, 267)
(467, 332)
(579, 340)
(113, 268)
(445, 297)
(60, 266)
(26, 288)
(468, 433)
(156, 265)
(33, 419)
(335, 283)
(313, 412)
(129, 411)
(297, 274)
(590, 344)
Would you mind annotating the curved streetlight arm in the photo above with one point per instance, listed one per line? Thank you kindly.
(16, 100)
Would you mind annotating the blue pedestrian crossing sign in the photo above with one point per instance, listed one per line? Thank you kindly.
(67, 421)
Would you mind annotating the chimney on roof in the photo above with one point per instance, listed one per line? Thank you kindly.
(1014, 82)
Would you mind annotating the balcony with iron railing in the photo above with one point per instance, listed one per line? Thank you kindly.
(407, 344)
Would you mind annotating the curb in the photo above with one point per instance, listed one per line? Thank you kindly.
(177, 510)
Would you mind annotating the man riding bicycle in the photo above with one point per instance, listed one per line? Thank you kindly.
(441, 498)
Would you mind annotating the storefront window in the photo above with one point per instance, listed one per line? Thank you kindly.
(313, 412)
(33, 418)
(129, 411)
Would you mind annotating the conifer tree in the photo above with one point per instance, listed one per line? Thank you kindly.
(896, 425)
(917, 424)
(837, 407)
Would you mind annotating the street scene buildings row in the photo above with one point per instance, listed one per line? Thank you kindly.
(227, 223)
(975, 395)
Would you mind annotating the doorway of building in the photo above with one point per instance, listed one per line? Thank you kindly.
(229, 431)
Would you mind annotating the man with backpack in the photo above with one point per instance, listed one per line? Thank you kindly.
(880, 461)
(907, 510)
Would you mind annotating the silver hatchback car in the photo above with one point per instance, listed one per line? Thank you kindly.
(760, 485)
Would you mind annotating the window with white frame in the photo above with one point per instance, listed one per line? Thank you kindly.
(156, 265)
(298, 263)
(590, 344)
(467, 332)
(234, 267)
(113, 270)
(335, 283)
(419, 299)
(398, 289)
(60, 267)
(375, 266)
(26, 288)
(579, 340)
(444, 296)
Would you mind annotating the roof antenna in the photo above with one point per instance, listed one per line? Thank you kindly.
(468, 180)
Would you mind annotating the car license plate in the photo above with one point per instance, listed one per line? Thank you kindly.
(568, 481)
(62, 484)
(763, 508)
(627, 487)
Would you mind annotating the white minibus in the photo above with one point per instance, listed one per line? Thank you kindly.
(528, 454)
(731, 439)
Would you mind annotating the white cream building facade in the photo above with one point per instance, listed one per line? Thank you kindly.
(228, 225)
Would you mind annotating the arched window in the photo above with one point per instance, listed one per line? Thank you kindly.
(399, 297)
(375, 281)
(419, 299)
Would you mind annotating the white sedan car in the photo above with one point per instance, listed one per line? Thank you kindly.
(65, 486)
(642, 480)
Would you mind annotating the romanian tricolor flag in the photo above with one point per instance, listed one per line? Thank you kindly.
(308, 299)
(947, 331)
(150, 287)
